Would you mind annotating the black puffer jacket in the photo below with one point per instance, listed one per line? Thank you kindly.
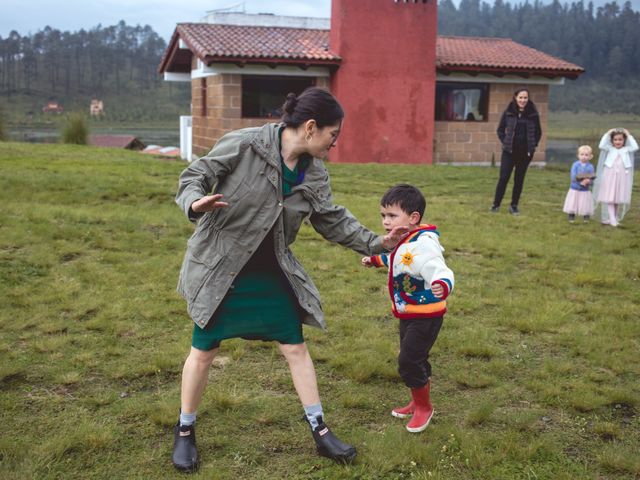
(507, 127)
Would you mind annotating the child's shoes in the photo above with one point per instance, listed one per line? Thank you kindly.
(423, 411)
(404, 412)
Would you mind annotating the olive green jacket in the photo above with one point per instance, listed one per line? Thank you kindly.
(244, 166)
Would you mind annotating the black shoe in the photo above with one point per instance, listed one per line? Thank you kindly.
(495, 208)
(572, 218)
(185, 453)
(330, 446)
(513, 210)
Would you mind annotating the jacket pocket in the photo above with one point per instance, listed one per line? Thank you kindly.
(232, 194)
(307, 283)
(194, 274)
(206, 245)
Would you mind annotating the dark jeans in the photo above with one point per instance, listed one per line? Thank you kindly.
(417, 336)
(519, 159)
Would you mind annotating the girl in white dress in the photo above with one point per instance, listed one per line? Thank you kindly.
(614, 177)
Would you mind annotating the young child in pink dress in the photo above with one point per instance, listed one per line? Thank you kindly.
(614, 180)
(579, 200)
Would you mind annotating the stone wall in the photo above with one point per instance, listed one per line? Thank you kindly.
(477, 143)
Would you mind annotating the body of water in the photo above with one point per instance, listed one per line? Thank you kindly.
(158, 136)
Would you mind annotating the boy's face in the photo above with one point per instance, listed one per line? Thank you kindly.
(393, 216)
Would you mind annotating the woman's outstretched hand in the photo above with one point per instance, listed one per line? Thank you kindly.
(208, 203)
(391, 239)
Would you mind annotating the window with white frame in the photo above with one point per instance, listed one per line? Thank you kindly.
(462, 101)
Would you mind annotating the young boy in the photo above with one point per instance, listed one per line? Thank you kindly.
(419, 283)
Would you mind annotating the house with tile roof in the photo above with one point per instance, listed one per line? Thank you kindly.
(410, 96)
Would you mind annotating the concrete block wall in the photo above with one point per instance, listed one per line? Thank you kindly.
(224, 109)
(477, 143)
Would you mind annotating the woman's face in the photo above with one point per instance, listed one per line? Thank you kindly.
(324, 139)
(618, 140)
(522, 98)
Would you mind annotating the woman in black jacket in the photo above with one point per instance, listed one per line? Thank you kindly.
(519, 132)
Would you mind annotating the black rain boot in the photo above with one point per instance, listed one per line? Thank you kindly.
(330, 446)
(185, 453)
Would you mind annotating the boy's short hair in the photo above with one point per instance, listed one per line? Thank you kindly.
(407, 197)
(585, 148)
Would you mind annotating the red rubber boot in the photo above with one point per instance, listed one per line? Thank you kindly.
(404, 412)
(423, 409)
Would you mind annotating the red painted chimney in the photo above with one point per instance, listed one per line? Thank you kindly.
(386, 81)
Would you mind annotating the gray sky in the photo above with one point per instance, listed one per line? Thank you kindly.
(29, 16)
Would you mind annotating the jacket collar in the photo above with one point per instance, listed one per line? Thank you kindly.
(266, 143)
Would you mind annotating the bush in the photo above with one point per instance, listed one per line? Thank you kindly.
(75, 130)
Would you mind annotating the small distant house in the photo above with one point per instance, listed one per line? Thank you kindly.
(96, 108)
(117, 141)
(410, 96)
(52, 107)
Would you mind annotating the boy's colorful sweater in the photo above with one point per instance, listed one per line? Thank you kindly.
(414, 266)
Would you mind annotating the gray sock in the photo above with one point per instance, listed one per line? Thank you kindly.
(313, 412)
(187, 418)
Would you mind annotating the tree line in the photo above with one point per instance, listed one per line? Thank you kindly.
(124, 59)
(92, 61)
(605, 41)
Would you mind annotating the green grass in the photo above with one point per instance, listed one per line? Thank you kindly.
(588, 127)
(535, 371)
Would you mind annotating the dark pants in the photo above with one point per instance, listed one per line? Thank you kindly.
(417, 336)
(518, 159)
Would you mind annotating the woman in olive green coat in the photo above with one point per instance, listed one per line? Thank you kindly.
(248, 198)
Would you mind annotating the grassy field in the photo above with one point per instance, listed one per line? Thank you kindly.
(536, 372)
(587, 126)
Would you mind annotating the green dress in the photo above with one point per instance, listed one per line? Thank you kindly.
(260, 304)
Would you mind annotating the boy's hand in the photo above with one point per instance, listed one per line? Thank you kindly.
(366, 262)
(437, 290)
(391, 239)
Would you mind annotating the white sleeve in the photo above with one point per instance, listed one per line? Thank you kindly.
(605, 142)
(434, 268)
(632, 144)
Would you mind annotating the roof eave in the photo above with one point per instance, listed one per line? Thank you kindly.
(502, 71)
(303, 63)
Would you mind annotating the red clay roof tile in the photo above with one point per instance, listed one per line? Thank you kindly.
(462, 53)
(212, 42)
(219, 42)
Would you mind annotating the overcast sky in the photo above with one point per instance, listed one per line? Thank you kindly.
(29, 16)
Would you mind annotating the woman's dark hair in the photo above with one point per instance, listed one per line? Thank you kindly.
(407, 197)
(314, 103)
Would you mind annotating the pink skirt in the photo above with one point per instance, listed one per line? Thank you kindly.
(615, 184)
(578, 202)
